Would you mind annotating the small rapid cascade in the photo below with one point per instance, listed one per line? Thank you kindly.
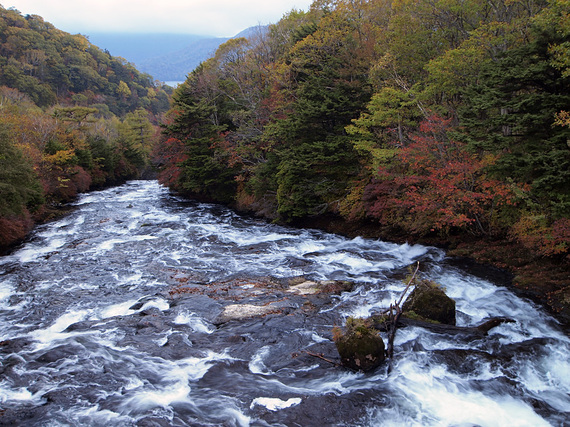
(111, 316)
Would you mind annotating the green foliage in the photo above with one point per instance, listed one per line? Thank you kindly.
(136, 137)
(512, 112)
(52, 66)
(390, 114)
(59, 134)
(312, 176)
(19, 187)
(428, 117)
(329, 87)
(202, 169)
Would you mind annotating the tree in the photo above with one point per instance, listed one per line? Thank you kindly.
(435, 184)
(327, 87)
(512, 113)
(203, 171)
(136, 137)
(19, 187)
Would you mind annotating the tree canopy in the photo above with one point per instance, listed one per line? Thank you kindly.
(427, 116)
(72, 117)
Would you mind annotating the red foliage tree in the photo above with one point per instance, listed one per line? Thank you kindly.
(169, 155)
(436, 184)
(542, 236)
(14, 229)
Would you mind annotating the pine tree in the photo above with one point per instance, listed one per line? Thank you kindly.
(512, 111)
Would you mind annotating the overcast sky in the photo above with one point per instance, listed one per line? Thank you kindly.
(220, 18)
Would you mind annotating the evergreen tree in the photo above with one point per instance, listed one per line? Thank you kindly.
(512, 112)
(19, 187)
(204, 172)
(328, 87)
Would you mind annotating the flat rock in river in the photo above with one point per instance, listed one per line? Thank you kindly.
(245, 311)
(268, 300)
(309, 287)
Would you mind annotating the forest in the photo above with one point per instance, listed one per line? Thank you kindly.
(444, 121)
(427, 116)
(72, 118)
(440, 121)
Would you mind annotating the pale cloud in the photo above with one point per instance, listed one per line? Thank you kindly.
(221, 18)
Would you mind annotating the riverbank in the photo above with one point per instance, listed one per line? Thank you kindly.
(15, 230)
(546, 281)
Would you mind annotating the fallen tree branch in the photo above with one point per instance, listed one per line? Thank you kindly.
(394, 318)
(409, 284)
(466, 332)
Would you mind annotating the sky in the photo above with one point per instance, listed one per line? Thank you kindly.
(219, 18)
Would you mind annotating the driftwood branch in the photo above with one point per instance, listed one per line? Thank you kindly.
(394, 314)
(465, 332)
(409, 284)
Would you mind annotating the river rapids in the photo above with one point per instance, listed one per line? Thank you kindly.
(111, 317)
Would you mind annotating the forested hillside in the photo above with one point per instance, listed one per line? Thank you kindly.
(72, 117)
(431, 119)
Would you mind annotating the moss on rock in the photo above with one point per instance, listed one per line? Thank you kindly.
(429, 301)
(360, 347)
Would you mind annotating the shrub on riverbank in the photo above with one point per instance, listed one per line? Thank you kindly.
(48, 157)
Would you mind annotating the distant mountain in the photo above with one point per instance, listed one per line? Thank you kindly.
(252, 31)
(138, 47)
(166, 57)
(175, 66)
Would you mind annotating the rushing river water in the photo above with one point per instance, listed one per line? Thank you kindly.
(95, 333)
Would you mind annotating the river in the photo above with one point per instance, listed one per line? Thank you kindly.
(111, 316)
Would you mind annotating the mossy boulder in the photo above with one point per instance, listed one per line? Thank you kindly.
(428, 301)
(360, 347)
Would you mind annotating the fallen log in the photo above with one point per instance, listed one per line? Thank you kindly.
(467, 332)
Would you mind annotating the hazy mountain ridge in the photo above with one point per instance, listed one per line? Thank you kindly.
(174, 66)
(166, 57)
(137, 47)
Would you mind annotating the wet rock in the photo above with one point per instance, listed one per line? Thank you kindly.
(24, 415)
(61, 396)
(203, 306)
(336, 287)
(237, 339)
(324, 410)
(360, 347)
(305, 288)
(154, 422)
(309, 287)
(465, 333)
(151, 321)
(429, 301)
(246, 311)
(11, 364)
(60, 352)
(81, 326)
(180, 341)
(15, 345)
(464, 361)
(280, 297)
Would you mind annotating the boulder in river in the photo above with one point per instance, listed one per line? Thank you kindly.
(428, 301)
(360, 347)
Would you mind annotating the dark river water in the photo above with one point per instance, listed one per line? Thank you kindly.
(111, 317)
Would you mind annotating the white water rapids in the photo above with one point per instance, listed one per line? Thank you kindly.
(92, 333)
